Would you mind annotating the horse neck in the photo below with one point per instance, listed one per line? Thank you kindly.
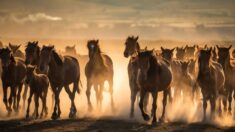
(153, 65)
(98, 60)
(225, 63)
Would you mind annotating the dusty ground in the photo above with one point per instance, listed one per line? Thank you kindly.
(106, 124)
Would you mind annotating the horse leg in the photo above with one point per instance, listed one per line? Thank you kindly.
(58, 101)
(29, 101)
(70, 97)
(170, 95)
(154, 106)
(43, 105)
(133, 98)
(73, 109)
(220, 106)
(25, 94)
(164, 102)
(230, 102)
(45, 101)
(88, 93)
(213, 106)
(54, 114)
(111, 93)
(12, 96)
(101, 88)
(5, 98)
(204, 108)
(36, 105)
(18, 97)
(141, 105)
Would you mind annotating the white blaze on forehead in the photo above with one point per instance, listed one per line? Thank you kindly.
(92, 46)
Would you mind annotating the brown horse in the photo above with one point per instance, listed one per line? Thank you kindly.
(39, 84)
(62, 71)
(13, 75)
(71, 50)
(153, 76)
(16, 50)
(180, 53)
(229, 71)
(132, 47)
(190, 50)
(98, 70)
(211, 80)
(186, 81)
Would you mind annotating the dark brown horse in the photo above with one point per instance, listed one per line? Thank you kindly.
(98, 70)
(132, 47)
(229, 71)
(211, 80)
(62, 71)
(39, 84)
(13, 75)
(153, 76)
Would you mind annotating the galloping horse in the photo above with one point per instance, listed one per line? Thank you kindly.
(98, 69)
(229, 71)
(132, 47)
(153, 76)
(13, 75)
(211, 80)
(62, 71)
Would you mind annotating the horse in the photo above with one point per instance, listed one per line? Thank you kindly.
(186, 82)
(180, 53)
(167, 54)
(190, 50)
(62, 71)
(211, 80)
(71, 50)
(98, 69)
(16, 51)
(153, 76)
(229, 71)
(39, 84)
(131, 49)
(13, 76)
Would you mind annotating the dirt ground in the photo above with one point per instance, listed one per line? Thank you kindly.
(104, 124)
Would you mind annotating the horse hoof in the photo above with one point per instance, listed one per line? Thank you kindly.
(146, 117)
(154, 121)
(72, 115)
(54, 116)
(161, 120)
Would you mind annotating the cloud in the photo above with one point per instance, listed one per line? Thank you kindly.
(34, 18)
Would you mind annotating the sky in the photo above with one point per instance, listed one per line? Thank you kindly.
(116, 19)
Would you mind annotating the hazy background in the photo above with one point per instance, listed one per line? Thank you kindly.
(115, 19)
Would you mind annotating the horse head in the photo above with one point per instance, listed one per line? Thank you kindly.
(131, 46)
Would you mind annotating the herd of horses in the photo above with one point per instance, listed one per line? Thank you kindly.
(193, 72)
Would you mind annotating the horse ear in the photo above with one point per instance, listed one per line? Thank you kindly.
(229, 47)
(136, 38)
(97, 41)
(177, 48)
(162, 48)
(210, 50)
(172, 50)
(36, 43)
(18, 46)
(186, 46)
(146, 48)
(217, 47)
(10, 45)
(194, 46)
(205, 47)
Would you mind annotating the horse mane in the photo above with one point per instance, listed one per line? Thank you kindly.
(153, 65)
(58, 59)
